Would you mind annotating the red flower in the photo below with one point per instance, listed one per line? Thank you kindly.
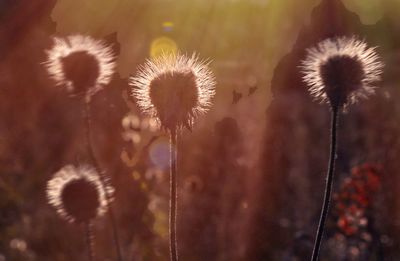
(355, 196)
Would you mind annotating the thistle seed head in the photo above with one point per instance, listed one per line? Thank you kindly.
(80, 200)
(80, 63)
(341, 71)
(174, 89)
(78, 194)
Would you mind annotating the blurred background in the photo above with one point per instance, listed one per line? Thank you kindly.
(251, 173)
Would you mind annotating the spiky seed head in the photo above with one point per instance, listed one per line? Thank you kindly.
(341, 71)
(78, 194)
(82, 64)
(81, 199)
(181, 90)
(174, 89)
(82, 69)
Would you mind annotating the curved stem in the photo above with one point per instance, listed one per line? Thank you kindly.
(102, 179)
(329, 185)
(173, 197)
(89, 241)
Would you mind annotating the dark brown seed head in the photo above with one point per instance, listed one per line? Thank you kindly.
(174, 89)
(174, 96)
(341, 76)
(82, 70)
(80, 200)
(341, 71)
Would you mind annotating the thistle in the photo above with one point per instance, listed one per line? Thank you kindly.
(79, 196)
(81, 64)
(174, 89)
(339, 71)
(84, 65)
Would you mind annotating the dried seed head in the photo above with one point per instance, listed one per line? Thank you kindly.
(341, 71)
(80, 199)
(82, 69)
(80, 63)
(181, 90)
(77, 193)
(175, 89)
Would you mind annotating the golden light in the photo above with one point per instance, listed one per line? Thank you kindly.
(163, 45)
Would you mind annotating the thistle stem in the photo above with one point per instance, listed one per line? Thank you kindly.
(102, 179)
(89, 241)
(173, 197)
(329, 185)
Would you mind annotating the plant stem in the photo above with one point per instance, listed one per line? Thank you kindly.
(89, 241)
(102, 179)
(173, 197)
(329, 185)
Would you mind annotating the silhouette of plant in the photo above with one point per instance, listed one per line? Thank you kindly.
(79, 196)
(339, 71)
(174, 89)
(84, 65)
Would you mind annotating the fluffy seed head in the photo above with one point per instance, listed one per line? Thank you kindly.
(80, 63)
(78, 194)
(341, 71)
(174, 88)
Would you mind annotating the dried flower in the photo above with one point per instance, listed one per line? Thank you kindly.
(341, 71)
(174, 89)
(77, 193)
(80, 63)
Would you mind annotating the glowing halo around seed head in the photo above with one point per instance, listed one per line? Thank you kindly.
(341, 71)
(77, 193)
(174, 89)
(81, 63)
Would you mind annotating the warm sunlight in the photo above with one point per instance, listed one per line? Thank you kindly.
(199, 130)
